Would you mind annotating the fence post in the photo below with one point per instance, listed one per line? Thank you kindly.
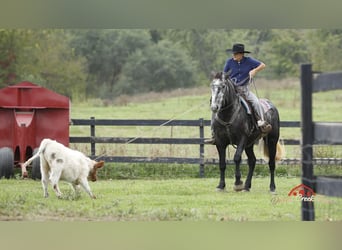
(308, 213)
(92, 137)
(201, 131)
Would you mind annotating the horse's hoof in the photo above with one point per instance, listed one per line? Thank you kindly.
(239, 187)
(221, 186)
(273, 192)
(245, 190)
(220, 190)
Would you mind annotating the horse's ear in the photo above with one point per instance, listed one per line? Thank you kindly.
(218, 75)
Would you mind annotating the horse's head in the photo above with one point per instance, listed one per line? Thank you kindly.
(218, 90)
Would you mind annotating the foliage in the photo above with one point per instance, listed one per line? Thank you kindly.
(105, 63)
(106, 52)
(286, 51)
(164, 65)
(325, 47)
(43, 57)
(10, 46)
(55, 64)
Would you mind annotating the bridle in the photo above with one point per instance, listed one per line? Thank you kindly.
(225, 93)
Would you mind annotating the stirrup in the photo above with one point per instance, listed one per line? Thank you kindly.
(266, 128)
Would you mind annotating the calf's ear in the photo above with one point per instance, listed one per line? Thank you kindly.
(99, 164)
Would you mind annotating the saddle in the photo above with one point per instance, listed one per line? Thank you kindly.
(254, 116)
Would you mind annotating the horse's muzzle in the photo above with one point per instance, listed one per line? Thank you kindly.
(214, 108)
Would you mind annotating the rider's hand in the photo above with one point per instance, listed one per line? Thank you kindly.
(252, 73)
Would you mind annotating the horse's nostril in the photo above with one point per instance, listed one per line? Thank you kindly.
(214, 108)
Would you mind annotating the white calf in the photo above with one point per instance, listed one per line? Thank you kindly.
(58, 162)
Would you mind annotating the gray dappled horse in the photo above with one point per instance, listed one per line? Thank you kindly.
(232, 125)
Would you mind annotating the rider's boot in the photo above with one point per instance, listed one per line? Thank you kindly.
(264, 126)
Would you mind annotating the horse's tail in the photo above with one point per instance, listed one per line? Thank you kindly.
(280, 150)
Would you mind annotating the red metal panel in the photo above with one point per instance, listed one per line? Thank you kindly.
(29, 95)
(30, 113)
(7, 124)
(53, 124)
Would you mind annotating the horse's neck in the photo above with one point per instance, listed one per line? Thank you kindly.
(232, 98)
(232, 103)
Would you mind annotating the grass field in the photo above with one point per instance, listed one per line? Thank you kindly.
(194, 104)
(160, 200)
(127, 192)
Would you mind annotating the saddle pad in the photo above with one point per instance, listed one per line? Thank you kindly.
(266, 106)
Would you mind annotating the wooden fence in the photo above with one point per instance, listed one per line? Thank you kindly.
(317, 132)
(200, 124)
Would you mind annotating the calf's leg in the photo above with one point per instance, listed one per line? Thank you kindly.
(85, 185)
(44, 169)
(54, 178)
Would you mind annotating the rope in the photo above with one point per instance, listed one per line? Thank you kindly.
(161, 125)
(168, 121)
(252, 81)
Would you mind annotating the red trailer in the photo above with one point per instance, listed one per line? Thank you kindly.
(28, 114)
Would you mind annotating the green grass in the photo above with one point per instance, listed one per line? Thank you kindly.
(194, 104)
(159, 200)
(172, 192)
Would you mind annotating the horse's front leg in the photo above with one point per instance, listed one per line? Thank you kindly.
(238, 185)
(222, 163)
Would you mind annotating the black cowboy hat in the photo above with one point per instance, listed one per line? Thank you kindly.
(238, 48)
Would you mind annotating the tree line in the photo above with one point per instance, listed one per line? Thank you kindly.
(106, 63)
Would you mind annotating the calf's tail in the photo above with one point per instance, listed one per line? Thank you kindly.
(29, 161)
(40, 150)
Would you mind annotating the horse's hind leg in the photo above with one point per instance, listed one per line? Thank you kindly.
(251, 164)
(271, 143)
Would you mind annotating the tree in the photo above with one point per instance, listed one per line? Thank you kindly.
(284, 53)
(208, 46)
(160, 67)
(204, 46)
(106, 52)
(48, 60)
(43, 57)
(325, 48)
(9, 49)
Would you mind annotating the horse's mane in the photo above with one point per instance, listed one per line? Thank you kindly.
(218, 75)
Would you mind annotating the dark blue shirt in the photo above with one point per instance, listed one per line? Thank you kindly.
(239, 71)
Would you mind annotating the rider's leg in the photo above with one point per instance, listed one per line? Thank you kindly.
(251, 98)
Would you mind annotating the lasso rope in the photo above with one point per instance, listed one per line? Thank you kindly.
(168, 121)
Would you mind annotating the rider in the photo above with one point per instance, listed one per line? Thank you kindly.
(241, 70)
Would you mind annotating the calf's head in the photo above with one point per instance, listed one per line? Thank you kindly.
(92, 173)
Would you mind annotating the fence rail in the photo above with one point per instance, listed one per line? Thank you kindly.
(314, 132)
(93, 140)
